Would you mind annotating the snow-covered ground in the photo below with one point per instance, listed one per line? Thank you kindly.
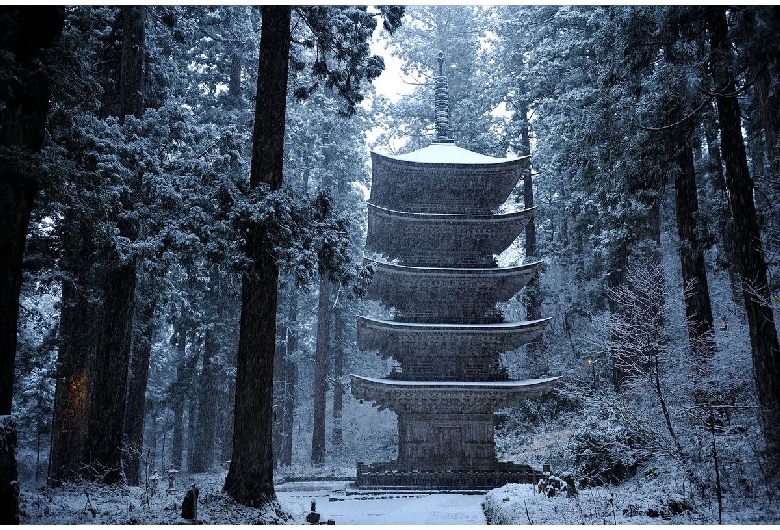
(641, 500)
(636, 502)
(85, 503)
(334, 501)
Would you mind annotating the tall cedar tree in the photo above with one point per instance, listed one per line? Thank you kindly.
(109, 371)
(324, 322)
(250, 477)
(342, 32)
(750, 254)
(323, 347)
(138, 372)
(96, 331)
(26, 34)
(698, 309)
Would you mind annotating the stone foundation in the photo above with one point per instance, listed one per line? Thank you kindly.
(390, 475)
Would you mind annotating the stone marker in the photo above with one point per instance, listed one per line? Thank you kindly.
(189, 507)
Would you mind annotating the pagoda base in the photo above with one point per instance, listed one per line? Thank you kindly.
(389, 475)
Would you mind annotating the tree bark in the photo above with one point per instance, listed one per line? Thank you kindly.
(321, 372)
(136, 387)
(533, 304)
(764, 99)
(108, 374)
(698, 310)
(191, 428)
(725, 222)
(250, 477)
(285, 382)
(109, 371)
(177, 399)
(26, 33)
(79, 324)
(203, 456)
(338, 389)
(763, 334)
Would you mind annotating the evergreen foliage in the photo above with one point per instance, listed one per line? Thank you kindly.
(158, 231)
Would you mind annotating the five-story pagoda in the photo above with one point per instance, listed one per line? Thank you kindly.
(433, 237)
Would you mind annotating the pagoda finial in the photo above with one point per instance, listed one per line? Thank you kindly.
(442, 102)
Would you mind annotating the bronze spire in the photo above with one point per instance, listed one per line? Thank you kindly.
(442, 105)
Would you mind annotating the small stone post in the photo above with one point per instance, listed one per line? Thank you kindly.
(189, 507)
(313, 517)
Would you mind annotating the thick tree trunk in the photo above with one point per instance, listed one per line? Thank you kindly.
(284, 398)
(203, 456)
(321, 372)
(136, 386)
(17, 194)
(338, 389)
(9, 487)
(177, 399)
(533, 305)
(26, 33)
(250, 477)
(285, 383)
(192, 415)
(698, 310)
(228, 401)
(763, 334)
(108, 374)
(763, 99)
(725, 222)
(109, 370)
(79, 324)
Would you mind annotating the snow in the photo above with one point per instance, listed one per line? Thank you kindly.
(88, 503)
(460, 327)
(84, 503)
(449, 154)
(459, 384)
(337, 502)
(639, 502)
(644, 500)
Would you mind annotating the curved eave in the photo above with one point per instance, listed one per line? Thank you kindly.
(448, 156)
(465, 273)
(464, 218)
(436, 239)
(447, 396)
(443, 187)
(403, 339)
(426, 294)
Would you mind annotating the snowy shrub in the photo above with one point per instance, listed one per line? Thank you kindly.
(552, 485)
(610, 450)
(555, 403)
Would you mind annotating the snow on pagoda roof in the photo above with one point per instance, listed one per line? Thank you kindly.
(448, 153)
(504, 385)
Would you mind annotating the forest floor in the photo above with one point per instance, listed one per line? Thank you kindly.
(641, 500)
(86, 503)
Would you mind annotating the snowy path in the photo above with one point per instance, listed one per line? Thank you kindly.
(392, 508)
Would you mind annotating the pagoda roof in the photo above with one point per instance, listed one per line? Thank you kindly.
(448, 153)
(442, 239)
(447, 397)
(426, 294)
(402, 340)
(443, 184)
